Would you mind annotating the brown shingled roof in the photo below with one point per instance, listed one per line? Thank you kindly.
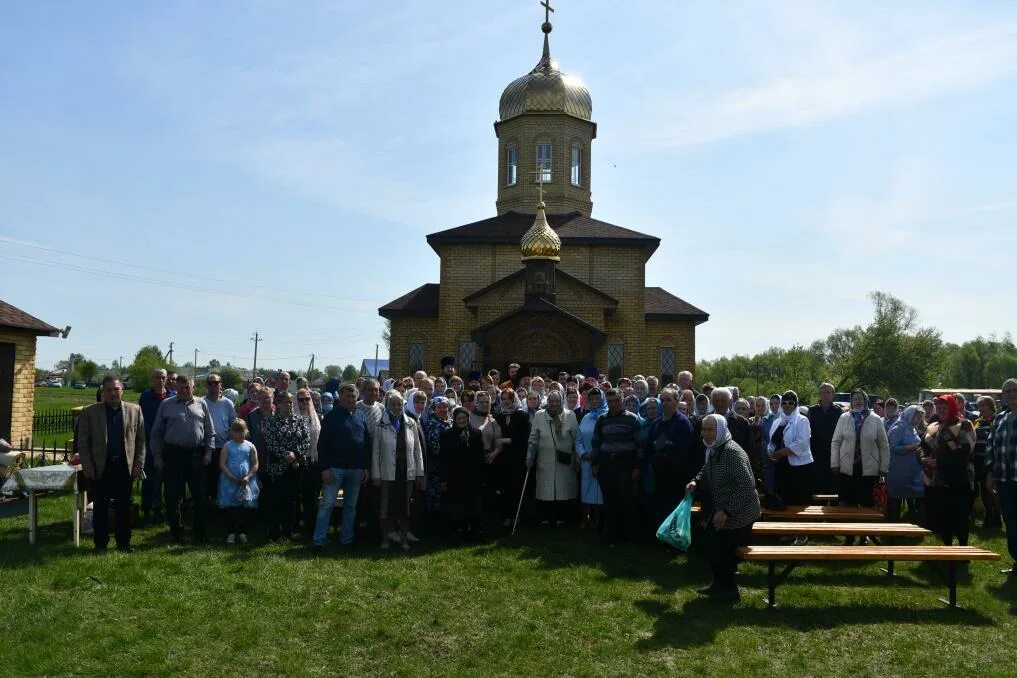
(421, 302)
(662, 305)
(14, 318)
(573, 228)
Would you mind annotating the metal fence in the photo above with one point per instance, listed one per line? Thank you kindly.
(52, 422)
(41, 452)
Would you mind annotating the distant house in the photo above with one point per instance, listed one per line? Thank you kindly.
(374, 368)
(18, 333)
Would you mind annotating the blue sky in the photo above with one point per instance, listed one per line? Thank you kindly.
(275, 166)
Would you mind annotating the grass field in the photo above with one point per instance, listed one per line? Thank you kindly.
(542, 603)
(65, 398)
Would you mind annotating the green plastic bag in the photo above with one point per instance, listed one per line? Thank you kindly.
(676, 529)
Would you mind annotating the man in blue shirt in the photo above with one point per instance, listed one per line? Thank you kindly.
(151, 486)
(616, 458)
(343, 460)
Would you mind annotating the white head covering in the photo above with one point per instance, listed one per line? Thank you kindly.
(723, 434)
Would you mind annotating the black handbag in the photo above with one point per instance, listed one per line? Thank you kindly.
(564, 458)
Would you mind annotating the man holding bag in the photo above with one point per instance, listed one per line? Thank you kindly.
(728, 485)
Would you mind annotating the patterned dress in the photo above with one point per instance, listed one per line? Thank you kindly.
(434, 430)
(282, 435)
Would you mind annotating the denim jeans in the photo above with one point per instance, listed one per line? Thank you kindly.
(1008, 507)
(349, 479)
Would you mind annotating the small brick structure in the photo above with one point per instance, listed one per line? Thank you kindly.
(18, 334)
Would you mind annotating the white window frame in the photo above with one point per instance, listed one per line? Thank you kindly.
(511, 166)
(576, 165)
(544, 167)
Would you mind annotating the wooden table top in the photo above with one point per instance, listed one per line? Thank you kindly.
(874, 529)
(840, 513)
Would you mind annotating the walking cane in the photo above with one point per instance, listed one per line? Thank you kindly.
(520, 507)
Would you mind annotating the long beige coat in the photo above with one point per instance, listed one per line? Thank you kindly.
(875, 447)
(555, 481)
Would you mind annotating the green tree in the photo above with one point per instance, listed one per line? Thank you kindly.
(231, 377)
(86, 370)
(313, 374)
(893, 355)
(979, 363)
(147, 358)
(333, 371)
(214, 364)
(350, 373)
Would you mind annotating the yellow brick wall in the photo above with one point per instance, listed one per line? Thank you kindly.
(23, 407)
(468, 268)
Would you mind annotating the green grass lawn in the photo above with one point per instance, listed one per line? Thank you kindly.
(543, 603)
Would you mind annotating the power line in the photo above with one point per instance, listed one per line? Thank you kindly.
(238, 283)
(180, 286)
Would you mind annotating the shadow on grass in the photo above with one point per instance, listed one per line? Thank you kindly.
(699, 621)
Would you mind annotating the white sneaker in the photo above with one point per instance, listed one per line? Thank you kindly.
(231, 539)
(243, 538)
(394, 536)
(412, 538)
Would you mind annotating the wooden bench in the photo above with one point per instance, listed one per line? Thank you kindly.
(879, 531)
(795, 555)
(827, 499)
(824, 513)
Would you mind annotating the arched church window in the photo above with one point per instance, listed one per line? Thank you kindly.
(577, 165)
(543, 163)
(512, 166)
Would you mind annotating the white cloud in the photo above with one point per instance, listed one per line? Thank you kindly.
(928, 68)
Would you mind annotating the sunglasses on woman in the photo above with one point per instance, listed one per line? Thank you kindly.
(304, 400)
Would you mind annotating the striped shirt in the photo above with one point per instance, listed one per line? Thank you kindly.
(617, 435)
(1001, 447)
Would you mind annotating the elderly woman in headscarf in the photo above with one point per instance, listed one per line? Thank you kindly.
(508, 461)
(730, 504)
(702, 407)
(551, 448)
(860, 451)
(641, 389)
(532, 404)
(592, 497)
(440, 421)
(462, 463)
(688, 399)
(904, 480)
(397, 463)
(790, 451)
(946, 448)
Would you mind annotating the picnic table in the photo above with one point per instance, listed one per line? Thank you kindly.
(53, 478)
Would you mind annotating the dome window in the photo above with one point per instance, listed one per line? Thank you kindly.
(576, 173)
(543, 163)
(512, 166)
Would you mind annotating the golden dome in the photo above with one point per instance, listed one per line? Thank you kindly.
(546, 89)
(541, 242)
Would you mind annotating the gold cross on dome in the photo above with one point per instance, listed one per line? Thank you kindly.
(541, 171)
(546, 4)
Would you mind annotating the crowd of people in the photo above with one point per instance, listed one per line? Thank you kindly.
(433, 454)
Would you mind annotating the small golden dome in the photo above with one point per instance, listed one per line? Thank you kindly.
(541, 242)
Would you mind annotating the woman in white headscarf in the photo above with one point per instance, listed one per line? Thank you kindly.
(904, 482)
(789, 449)
(551, 447)
(728, 488)
(310, 478)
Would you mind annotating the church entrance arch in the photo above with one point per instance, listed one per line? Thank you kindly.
(542, 342)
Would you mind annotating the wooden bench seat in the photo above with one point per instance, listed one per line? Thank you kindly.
(825, 498)
(873, 529)
(823, 513)
(794, 555)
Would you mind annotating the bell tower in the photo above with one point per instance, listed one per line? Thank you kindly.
(545, 134)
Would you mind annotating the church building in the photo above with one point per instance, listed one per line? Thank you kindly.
(543, 283)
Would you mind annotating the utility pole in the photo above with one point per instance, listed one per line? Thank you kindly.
(254, 370)
(120, 365)
(377, 372)
(311, 366)
(168, 358)
(194, 365)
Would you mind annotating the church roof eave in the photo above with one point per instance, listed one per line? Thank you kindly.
(473, 296)
(419, 303)
(538, 306)
(659, 304)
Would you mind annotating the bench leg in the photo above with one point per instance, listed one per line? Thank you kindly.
(771, 583)
(951, 582)
(33, 516)
(889, 564)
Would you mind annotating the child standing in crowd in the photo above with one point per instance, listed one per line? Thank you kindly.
(238, 484)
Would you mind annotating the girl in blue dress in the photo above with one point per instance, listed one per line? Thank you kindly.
(238, 484)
